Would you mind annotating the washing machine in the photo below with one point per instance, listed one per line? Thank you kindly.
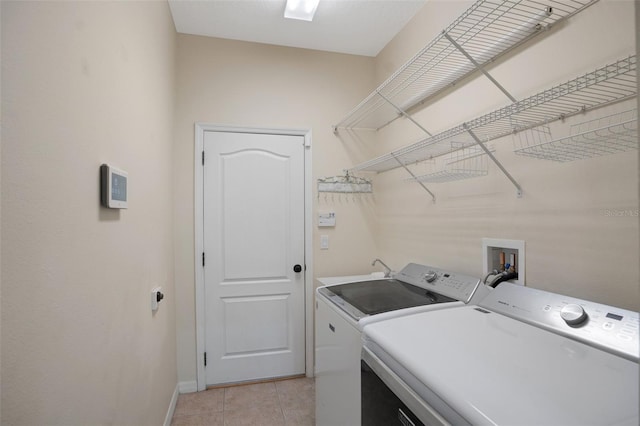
(346, 304)
(519, 357)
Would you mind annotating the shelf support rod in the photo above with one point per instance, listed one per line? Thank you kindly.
(479, 67)
(404, 113)
(494, 159)
(414, 177)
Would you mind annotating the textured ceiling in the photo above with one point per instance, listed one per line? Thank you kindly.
(359, 27)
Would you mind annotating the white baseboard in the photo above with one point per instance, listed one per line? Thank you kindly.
(188, 387)
(172, 406)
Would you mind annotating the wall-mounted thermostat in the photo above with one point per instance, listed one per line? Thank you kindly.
(326, 219)
(113, 187)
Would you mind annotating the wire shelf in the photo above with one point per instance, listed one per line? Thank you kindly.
(450, 176)
(487, 30)
(611, 83)
(461, 163)
(531, 138)
(602, 136)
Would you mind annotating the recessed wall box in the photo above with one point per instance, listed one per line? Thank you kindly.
(113, 187)
(497, 253)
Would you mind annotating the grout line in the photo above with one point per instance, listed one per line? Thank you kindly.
(284, 420)
(224, 404)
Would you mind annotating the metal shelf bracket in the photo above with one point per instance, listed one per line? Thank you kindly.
(408, 116)
(433, 197)
(478, 66)
(494, 159)
(403, 113)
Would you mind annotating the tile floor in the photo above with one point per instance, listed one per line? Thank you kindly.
(277, 403)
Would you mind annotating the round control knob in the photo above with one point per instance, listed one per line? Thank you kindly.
(430, 276)
(573, 314)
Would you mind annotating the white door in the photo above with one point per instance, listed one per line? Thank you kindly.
(253, 245)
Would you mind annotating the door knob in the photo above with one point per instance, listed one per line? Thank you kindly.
(297, 268)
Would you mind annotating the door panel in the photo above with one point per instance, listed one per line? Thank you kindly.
(250, 333)
(253, 236)
(255, 213)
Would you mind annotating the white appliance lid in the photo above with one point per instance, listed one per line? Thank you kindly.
(492, 369)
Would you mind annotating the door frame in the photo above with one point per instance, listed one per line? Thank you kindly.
(200, 129)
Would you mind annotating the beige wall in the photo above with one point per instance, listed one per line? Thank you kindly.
(576, 243)
(254, 85)
(85, 83)
(573, 246)
(95, 84)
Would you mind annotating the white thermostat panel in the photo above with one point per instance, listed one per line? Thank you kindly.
(113, 187)
(326, 219)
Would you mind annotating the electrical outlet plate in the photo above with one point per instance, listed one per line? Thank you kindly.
(491, 249)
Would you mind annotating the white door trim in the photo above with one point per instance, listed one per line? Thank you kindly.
(200, 128)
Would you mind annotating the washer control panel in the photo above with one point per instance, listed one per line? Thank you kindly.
(451, 284)
(612, 329)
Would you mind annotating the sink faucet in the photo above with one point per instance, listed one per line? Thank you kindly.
(388, 271)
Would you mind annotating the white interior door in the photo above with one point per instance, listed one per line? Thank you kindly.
(253, 240)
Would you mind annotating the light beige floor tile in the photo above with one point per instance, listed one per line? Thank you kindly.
(257, 396)
(296, 393)
(200, 419)
(200, 402)
(279, 403)
(294, 386)
(299, 416)
(254, 417)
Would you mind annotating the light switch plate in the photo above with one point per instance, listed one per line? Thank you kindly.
(324, 242)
